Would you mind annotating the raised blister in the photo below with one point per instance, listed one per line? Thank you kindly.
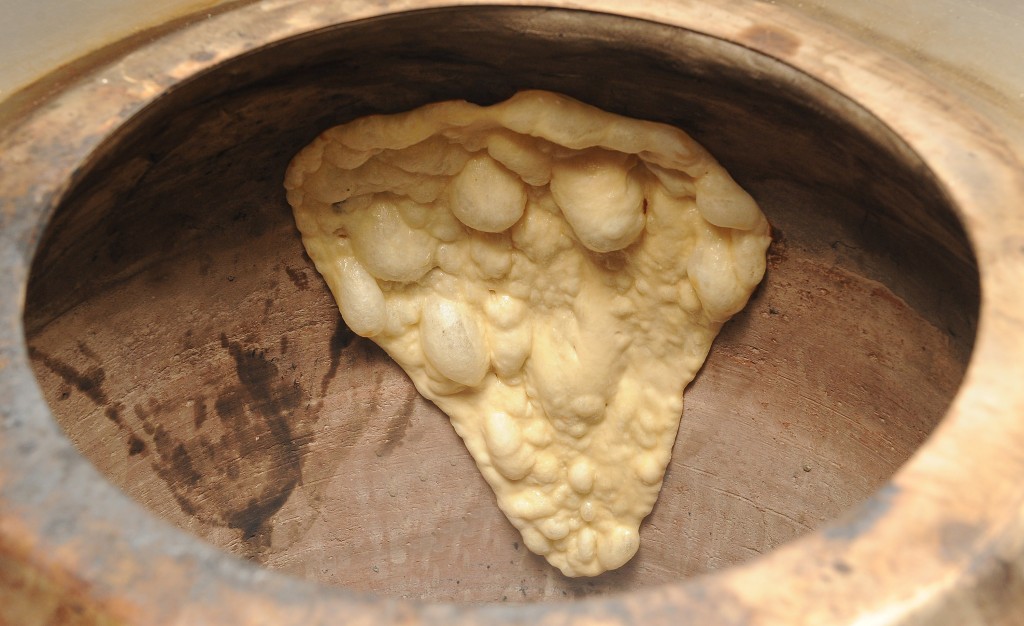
(504, 438)
(487, 196)
(555, 528)
(724, 203)
(387, 246)
(581, 475)
(600, 198)
(588, 512)
(675, 183)
(649, 468)
(453, 340)
(434, 156)
(492, 255)
(617, 547)
(536, 542)
(541, 233)
(359, 297)
(530, 504)
(746, 254)
(504, 311)
(510, 349)
(710, 270)
(546, 468)
(586, 544)
(519, 154)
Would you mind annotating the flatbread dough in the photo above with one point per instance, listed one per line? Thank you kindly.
(552, 277)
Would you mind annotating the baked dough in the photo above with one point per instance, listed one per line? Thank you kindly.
(551, 276)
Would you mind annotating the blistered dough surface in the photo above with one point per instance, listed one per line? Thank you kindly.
(552, 277)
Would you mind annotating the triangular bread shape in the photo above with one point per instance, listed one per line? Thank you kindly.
(552, 277)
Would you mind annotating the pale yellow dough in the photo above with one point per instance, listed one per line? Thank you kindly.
(552, 277)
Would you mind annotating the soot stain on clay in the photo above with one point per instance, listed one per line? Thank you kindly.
(244, 465)
(88, 381)
(395, 431)
(136, 445)
(261, 407)
(298, 277)
(340, 339)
